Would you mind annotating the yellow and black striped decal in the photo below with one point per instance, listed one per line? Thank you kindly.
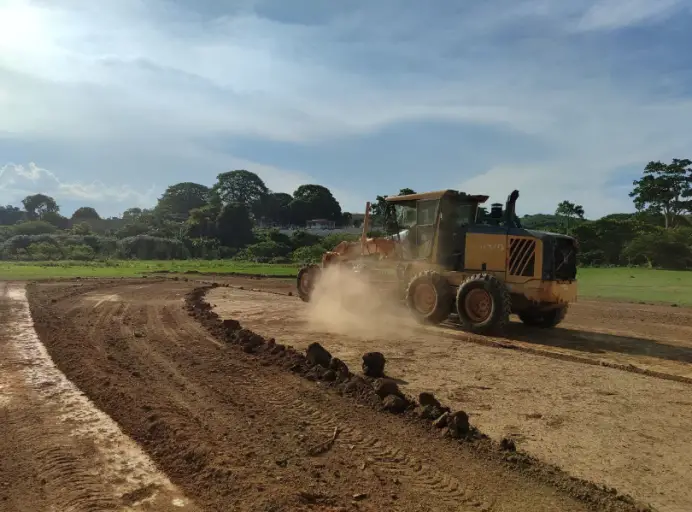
(522, 256)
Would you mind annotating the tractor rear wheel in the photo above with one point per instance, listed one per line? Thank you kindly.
(483, 304)
(545, 319)
(307, 277)
(429, 297)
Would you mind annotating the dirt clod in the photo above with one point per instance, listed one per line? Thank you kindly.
(508, 444)
(231, 325)
(426, 399)
(394, 403)
(278, 348)
(385, 387)
(316, 373)
(373, 364)
(430, 412)
(338, 365)
(458, 424)
(318, 355)
(442, 420)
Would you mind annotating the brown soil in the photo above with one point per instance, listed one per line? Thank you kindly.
(58, 451)
(547, 390)
(235, 429)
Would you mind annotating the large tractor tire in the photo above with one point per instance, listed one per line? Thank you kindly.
(483, 304)
(429, 297)
(305, 283)
(544, 319)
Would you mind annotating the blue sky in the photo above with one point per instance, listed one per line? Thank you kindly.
(106, 103)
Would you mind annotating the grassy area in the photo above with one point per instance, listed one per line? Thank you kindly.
(627, 284)
(636, 285)
(43, 270)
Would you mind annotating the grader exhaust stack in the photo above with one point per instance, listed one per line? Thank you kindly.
(366, 222)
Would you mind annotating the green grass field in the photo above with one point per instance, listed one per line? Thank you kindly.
(636, 285)
(21, 271)
(626, 284)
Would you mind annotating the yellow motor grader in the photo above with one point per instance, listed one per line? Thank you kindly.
(449, 257)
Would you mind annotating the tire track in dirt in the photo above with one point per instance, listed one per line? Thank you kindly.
(58, 451)
(509, 345)
(380, 455)
(421, 477)
(450, 330)
(236, 434)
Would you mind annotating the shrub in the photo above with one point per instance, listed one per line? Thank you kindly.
(81, 253)
(302, 238)
(263, 252)
(33, 227)
(145, 247)
(306, 255)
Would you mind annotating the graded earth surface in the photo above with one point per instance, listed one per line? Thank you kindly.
(121, 400)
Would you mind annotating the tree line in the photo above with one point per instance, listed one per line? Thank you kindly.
(238, 217)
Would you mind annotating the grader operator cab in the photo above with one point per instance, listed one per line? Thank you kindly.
(453, 258)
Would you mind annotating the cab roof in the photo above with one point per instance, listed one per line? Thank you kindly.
(437, 194)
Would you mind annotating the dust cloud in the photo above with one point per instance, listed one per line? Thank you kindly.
(347, 303)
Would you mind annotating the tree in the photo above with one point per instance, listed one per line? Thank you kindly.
(382, 212)
(85, 213)
(277, 208)
(314, 202)
(243, 187)
(568, 211)
(82, 228)
(132, 213)
(234, 226)
(56, 219)
(10, 215)
(38, 204)
(181, 198)
(665, 189)
(660, 248)
(202, 222)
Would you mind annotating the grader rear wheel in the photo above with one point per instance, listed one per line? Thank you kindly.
(483, 304)
(307, 277)
(429, 297)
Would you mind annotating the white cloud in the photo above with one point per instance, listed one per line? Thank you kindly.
(153, 77)
(614, 14)
(18, 181)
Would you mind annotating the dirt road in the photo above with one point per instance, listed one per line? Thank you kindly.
(608, 425)
(236, 433)
(58, 451)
